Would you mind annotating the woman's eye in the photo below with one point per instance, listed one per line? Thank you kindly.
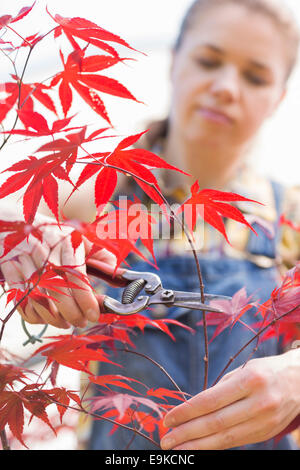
(255, 79)
(208, 63)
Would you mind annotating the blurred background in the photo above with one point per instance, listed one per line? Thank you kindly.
(149, 27)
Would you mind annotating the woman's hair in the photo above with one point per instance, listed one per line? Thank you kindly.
(276, 10)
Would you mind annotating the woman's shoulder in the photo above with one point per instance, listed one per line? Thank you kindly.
(279, 208)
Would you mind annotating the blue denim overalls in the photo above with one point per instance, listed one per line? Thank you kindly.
(183, 359)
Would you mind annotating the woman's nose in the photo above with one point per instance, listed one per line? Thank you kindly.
(226, 86)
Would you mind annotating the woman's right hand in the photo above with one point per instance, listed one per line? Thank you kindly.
(78, 306)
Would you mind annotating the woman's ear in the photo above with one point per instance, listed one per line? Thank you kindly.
(279, 101)
(283, 95)
(171, 69)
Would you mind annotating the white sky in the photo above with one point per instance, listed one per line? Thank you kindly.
(151, 26)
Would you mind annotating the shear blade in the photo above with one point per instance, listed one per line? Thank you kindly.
(189, 300)
(196, 306)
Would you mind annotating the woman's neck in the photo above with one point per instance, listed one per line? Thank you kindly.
(213, 166)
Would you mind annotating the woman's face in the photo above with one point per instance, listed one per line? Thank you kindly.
(228, 76)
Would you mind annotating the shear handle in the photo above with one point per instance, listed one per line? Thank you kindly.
(121, 277)
(106, 272)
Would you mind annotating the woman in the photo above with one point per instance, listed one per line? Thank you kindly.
(229, 73)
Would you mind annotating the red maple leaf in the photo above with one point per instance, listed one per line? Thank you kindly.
(75, 75)
(12, 413)
(65, 149)
(115, 380)
(88, 31)
(6, 20)
(37, 122)
(62, 397)
(43, 184)
(164, 392)
(137, 162)
(281, 312)
(131, 221)
(141, 321)
(50, 277)
(232, 311)
(282, 301)
(12, 403)
(138, 419)
(42, 173)
(35, 400)
(10, 373)
(25, 101)
(212, 205)
(75, 352)
(121, 402)
(119, 247)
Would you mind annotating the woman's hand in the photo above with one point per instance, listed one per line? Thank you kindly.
(74, 309)
(248, 405)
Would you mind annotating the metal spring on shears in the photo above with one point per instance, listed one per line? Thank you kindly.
(132, 290)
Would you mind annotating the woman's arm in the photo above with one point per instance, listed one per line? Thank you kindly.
(250, 404)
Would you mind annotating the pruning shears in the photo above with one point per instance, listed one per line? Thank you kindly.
(134, 282)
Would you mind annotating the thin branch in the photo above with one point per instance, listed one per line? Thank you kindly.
(163, 370)
(21, 37)
(20, 81)
(4, 441)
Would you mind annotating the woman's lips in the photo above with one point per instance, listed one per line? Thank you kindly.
(214, 116)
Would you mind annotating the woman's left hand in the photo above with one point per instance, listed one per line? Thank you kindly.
(248, 405)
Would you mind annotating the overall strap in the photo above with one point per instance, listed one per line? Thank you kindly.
(263, 244)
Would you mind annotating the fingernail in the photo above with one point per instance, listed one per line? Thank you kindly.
(169, 421)
(92, 315)
(167, 443)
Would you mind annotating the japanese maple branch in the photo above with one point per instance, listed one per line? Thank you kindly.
(10, 59)
(4, 441)
(20, 82)
(94, 415)
(187, 234)
(19, 35)
(256, 336)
